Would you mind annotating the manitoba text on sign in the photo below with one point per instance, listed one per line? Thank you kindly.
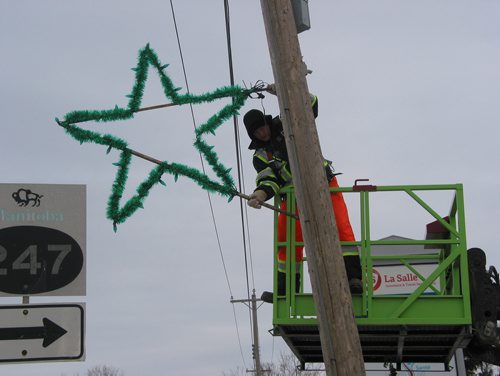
(42, 332)
(42, 239)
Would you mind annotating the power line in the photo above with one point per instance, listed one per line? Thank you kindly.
(201, 158)
(208, 194)
(238, 158)
(241, 181)
(243, 211)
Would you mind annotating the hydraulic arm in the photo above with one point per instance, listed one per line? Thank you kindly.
(485, 305)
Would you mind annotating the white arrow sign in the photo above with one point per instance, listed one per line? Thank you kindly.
(42, 332)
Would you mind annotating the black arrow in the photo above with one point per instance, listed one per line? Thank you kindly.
(50, 332)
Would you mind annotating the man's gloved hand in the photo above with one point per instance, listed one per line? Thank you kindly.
(257, 198)
(306, 70)
(271, 89)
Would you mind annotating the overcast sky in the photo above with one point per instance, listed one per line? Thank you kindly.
(408, 94)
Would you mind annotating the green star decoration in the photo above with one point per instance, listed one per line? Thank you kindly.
(147, 57)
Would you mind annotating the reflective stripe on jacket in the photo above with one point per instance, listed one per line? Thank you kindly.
(270, 158)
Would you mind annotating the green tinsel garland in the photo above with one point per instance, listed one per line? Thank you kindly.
(146, 58)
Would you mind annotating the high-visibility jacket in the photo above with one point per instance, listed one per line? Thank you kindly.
(270, 160)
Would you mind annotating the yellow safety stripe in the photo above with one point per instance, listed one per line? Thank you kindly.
(274, 186)
(286, 175)
(350, 254)
(287, 180)
(262, 155)
(314, 99)
(268, 171)
(350, 250)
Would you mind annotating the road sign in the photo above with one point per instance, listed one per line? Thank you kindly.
(41, 332)
(42, 239)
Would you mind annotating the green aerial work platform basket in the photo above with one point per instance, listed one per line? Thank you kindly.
(426, 320)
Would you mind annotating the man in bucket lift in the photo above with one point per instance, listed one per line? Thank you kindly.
(270, 160)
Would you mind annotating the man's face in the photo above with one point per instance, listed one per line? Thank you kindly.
(263, 133)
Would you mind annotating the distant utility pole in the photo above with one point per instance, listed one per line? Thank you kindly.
(338, 331)
(255, 332)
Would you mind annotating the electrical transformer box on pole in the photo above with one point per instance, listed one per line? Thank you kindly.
(301, 15)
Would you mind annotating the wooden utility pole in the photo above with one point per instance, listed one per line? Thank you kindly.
(255, 333)
(338, 331)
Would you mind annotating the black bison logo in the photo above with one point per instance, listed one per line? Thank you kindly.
(24, 196)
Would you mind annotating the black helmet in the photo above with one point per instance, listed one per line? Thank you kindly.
(255, 119)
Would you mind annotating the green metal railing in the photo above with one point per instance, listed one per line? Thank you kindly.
(448, 304)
